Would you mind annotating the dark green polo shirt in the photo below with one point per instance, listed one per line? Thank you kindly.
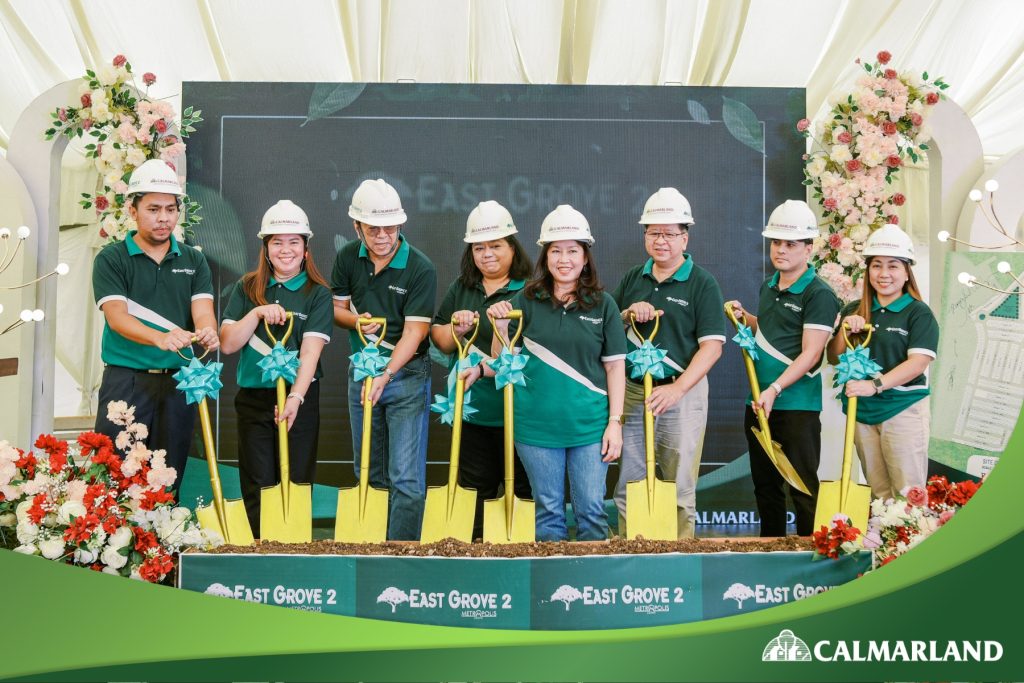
(903, 327)
(782, 317)
(565, 400)
(486, 399)
(159, 295)
(693, 305)
(403, 292)
(313, 312)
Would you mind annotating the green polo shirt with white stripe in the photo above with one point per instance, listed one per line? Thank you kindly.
(565, 400)
(159, 295)
(782, 316)
(693, 304)
(403, 292)
(486, 399)
(904, 327)
(313, 313)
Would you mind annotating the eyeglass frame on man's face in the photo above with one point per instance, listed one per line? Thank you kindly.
(374, 230)
(668, 237)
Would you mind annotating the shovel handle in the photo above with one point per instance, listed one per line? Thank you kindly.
(383, 322)
(511, 315)
(869, 328)
(287, 332)
(632, 322)
(194, 340)
(211, 463)
(463, 347)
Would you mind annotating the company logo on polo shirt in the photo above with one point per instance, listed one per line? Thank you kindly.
(681, 302)
(300, 316)
(788, 647)
(595, 321)
(470, 605)
(398, 290)
(897, 330)
(764, 594)
(187, 271)
(793, 307)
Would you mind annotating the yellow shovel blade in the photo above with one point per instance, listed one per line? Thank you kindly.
(238, 532)
(439, 522)
(858, 504)
(658, 522)
(779, 459)
(524, 521)
(371, 526)
(294, 525)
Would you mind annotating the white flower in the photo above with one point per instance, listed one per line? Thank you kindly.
(52, 548)
(110, 570)
(119, 413)
(135, 157)
(817, 166)
(859, 233)
(21, 512)
(122, 537)
(69, 509)
(840, 153)
(100, 108)
(136, 575)
(27, 549)
(27, 532)
(8, 519)
(107, 74)
(113, 558)
(76, 489)
(85, 556)
(38, 484)
(110, 225)
(180, 513)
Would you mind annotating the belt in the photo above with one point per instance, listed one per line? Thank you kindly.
(156, 371)
(654, 381)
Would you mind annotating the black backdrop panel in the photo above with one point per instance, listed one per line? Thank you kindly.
(732, 151)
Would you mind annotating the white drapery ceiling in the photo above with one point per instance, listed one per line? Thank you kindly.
(977, 46)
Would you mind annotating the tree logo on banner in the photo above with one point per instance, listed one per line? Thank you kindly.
(393, 596)
(738, 592)
(566, 594)
(220, 590)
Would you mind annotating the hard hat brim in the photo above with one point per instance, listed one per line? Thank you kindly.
(496, 235)
(785, 235)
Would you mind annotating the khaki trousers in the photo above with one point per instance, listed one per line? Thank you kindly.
(894, 453)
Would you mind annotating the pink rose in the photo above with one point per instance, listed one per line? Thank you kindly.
(853, 165)
(103, 233)
(845, 137)
(889, 128)
(899, 199)
(894, 219)
(86, 124)
(945, 516)
(835, 240)
(101, 203)
(120, 60)
(830, 204)
(86, 100)
(802, 125)
(173, 167)
(893, 161)
(62, 114)
(160, 125)
(884, 56)
(916, 119)
(933, 97)
(917, 495)
(170, 139)
(890, 73)
(149, 78)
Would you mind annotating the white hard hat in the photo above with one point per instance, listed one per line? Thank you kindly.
(489, 221)
(284, 218)
(792, 220)
(376, 203)
(667, 205)
(565, 223)
(154, 175)
(890, 240)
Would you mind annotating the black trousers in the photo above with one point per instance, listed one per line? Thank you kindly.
(482, 467)
(158, 405)
(799, 434)
(258, 465)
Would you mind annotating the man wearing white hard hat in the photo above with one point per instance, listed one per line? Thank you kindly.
(285, 280)
(156, 295)
(892, 414)
(382, 275)
(494, 268)
(796, 314)
(692, 331)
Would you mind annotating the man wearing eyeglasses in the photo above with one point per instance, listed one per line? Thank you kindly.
(382, 275)
(691, 331)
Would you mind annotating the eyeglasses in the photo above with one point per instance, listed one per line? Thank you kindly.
(667, 236)
(373, 231)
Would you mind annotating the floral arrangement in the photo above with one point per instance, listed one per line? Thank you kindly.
(856, 154)
(840, 538)
(128, 128)
(83, 504)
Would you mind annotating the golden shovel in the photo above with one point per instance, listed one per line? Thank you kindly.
(844, 496)
(226, 517)
(362, 515)
(509, 519)
(764, 436)
(286, 509)
(650, 502)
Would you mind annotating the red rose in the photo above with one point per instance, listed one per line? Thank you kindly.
(899, 199)
(26, 462)
(894, 219)
(917, 496)
(916, 119)
(889, 128)
(36, 512)
(932, 98)
(853, 165)
(834, 240)
(890, 74)
(149, 78)
(101, 203)
(91, 441)
(830, 204)
(150, 499)
(845, 137)
(103, 233)
(86, 124)
(802, 125)
(173, 167)
(120, 60)
(893, 161)
(171, 140)
(86, 100)
(160, 125)
(884, 56)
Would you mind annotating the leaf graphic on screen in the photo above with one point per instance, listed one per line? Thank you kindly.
(329, 98)
(742, 122)
(339, 242)
(697, 112)
(220, 234)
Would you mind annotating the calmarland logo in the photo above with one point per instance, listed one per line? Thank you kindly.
(186, 271)
(595, 321)
(793, 307)
(398, 290)
(680, 302)
(898, 330)
(786, 647)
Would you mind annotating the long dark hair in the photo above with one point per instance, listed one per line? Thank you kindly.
(588, 286)
(254, 283)
(470, 276)
(866, 301)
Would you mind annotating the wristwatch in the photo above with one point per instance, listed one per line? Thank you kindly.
(877, 381)
(391, 375)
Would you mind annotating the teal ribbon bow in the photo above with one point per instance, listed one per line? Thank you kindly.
(508, 367)
(647, 359)
(368, 363)
(280, 362)
(199, 380)
(745, 338)
(855, 364)
(446, 404)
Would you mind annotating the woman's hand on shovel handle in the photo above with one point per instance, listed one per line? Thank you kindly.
(470, 375)
(766, 402)
(611, 443)
(463, 321)
(291, 411)
(860, 387)
(664, 397)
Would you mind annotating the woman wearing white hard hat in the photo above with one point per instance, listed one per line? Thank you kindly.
(568, 414)
(892, 416)
(285, 280)
(494, 268)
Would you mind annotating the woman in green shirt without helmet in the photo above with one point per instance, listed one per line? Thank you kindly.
(892, 411)
(494, 268)
(285, 281)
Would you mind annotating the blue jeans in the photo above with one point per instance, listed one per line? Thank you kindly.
(398, 448)
(546, 468)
